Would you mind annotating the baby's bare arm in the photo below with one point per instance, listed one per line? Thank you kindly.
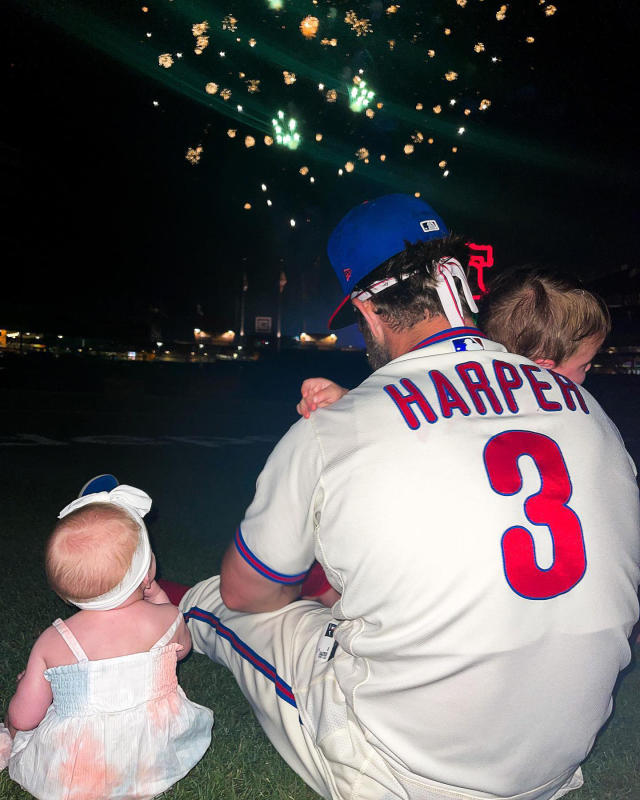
(183, 637)
(318, 393)
(33, 694)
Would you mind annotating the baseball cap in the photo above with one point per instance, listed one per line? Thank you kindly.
(370, 234)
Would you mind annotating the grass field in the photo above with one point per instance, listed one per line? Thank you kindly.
(196, 440)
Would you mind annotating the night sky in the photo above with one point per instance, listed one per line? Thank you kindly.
(104, 218)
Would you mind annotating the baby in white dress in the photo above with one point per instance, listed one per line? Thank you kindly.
(98, 712)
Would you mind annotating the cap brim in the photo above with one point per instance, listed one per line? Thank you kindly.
(343, 316)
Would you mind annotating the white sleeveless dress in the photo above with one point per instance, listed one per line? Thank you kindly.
(117, 728)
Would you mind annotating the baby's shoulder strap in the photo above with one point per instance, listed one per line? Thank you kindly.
(70, 639)
(168, 636)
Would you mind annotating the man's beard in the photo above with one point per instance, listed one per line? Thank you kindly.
(377, 353)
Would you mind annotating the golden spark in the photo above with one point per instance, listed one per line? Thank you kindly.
(361, 26)
(202, 42)
(289, 77)
(229, 23)
(193, 154)
(309, 27)
(165, 60)
(211, 88)
(200, 28)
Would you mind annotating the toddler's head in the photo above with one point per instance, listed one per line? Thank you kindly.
(91, 551)
(547, 318)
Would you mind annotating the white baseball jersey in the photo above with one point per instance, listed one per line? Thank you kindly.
(480, 516)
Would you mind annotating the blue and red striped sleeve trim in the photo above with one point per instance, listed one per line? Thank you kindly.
(282, 688)
(261, 567)
(449, 333)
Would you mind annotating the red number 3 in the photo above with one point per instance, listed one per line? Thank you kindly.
(547, 507)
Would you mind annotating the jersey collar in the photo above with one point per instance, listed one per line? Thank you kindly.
(446, 335)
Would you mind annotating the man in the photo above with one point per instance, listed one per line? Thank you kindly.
(486, 558)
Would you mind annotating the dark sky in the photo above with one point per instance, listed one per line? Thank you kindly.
(103, 217)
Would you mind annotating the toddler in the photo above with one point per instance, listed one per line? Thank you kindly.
(98, 712)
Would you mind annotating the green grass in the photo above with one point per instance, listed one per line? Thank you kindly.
(199, 495)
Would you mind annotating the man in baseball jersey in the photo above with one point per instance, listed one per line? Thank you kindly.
(478, 515)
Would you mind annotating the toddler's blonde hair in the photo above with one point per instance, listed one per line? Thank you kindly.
(90, 551)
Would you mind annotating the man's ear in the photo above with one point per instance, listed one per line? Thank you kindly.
(547, 363)
(368, 311)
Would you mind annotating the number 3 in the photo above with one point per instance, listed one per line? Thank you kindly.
(547, 507)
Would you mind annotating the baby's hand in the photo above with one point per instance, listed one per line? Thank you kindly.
(318, 393)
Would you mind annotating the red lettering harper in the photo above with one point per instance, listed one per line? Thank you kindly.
(413, 397)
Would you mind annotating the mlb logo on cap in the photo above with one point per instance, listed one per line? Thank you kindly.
(373, 232)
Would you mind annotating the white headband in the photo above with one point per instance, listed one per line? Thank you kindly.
(136, 503)
(447, 269)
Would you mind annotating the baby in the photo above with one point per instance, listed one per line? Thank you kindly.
(98, 712)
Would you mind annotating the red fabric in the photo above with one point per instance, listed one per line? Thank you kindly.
(316, 582)
(175, 591)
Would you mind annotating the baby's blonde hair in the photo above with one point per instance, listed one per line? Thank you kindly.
(90, 551)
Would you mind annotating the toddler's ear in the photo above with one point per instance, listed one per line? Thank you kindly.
(547, 363)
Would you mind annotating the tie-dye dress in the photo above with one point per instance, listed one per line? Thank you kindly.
(117, 728)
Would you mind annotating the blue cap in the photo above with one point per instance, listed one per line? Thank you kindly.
(373, 232)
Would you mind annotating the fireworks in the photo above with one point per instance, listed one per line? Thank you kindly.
(361, 26)
(193, 154)
(285, 131)
(309, 27)
(360, 96)
(229, 23)
(408, 56)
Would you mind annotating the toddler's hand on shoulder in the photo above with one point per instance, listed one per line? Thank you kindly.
(318, 393)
